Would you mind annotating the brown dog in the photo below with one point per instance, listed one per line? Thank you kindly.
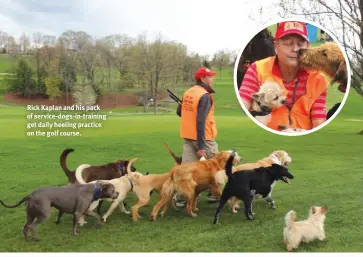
(190, 179)
(329, 59)
(107, 171)
(143, 186)
(279, 157)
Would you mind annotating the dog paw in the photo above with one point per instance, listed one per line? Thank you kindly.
(104, 220)
(196, 209)
(127, 212)
(234, 211)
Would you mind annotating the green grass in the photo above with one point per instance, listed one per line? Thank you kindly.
(327, 165)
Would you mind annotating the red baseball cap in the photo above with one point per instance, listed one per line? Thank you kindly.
(203, 72)
(292, 27)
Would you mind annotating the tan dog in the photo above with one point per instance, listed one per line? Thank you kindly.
(190, 179)
(143, 186)
(123, 185)
(328, 58)
(269, 96)
(305, 230)
(279, 157)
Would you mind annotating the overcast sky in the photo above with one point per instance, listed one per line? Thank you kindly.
(204, 26)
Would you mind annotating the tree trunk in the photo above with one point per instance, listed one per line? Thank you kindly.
(156, 90)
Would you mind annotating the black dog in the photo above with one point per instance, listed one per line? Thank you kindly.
(73, 199)
(245, 184)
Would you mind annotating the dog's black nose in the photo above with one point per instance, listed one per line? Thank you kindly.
(283, 102)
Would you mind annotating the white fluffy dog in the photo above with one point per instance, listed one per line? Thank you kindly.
(269, 96)
(305, 230)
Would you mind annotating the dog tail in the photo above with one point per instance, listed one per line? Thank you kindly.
(290, 218)
(25, 199)
(177, 159)
(63, 163)
(79, 171)
(229, 164)
(128, 169)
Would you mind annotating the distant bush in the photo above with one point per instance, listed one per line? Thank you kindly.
(20, 80)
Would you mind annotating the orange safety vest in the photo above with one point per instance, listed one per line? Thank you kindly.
(189, 110)
(299, 115)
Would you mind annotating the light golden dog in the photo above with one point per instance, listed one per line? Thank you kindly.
(269, 96)
(123, 185)
(190, 179)
(328, 58)
(279, 156)
(305, 230)
(143, 186)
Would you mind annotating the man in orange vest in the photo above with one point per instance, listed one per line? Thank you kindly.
(198, 126)
(305, 89)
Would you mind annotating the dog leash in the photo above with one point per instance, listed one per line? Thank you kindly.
(293, 101)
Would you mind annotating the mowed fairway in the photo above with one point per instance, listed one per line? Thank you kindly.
(327, 166)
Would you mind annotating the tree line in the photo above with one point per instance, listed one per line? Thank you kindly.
(80, 66)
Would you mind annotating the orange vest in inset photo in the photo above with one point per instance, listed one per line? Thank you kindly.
(300, 112)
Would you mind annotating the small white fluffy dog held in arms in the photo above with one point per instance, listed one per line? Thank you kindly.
(304, 230)
(269, 96)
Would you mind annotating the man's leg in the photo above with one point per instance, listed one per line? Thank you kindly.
(212, 149)
(190, 151)
(189, 155)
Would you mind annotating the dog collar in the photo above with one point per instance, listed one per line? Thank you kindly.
(275, 159)
(132, 185)
(122, 169)
(97, 193)
(260, 113)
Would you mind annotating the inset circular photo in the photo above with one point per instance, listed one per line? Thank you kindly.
(292, 78)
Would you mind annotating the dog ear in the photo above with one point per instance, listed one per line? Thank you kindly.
(324, 209)
(313, 208)
(324, 53)
(341, 73)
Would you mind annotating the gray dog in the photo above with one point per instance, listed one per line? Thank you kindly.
(73, 199)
